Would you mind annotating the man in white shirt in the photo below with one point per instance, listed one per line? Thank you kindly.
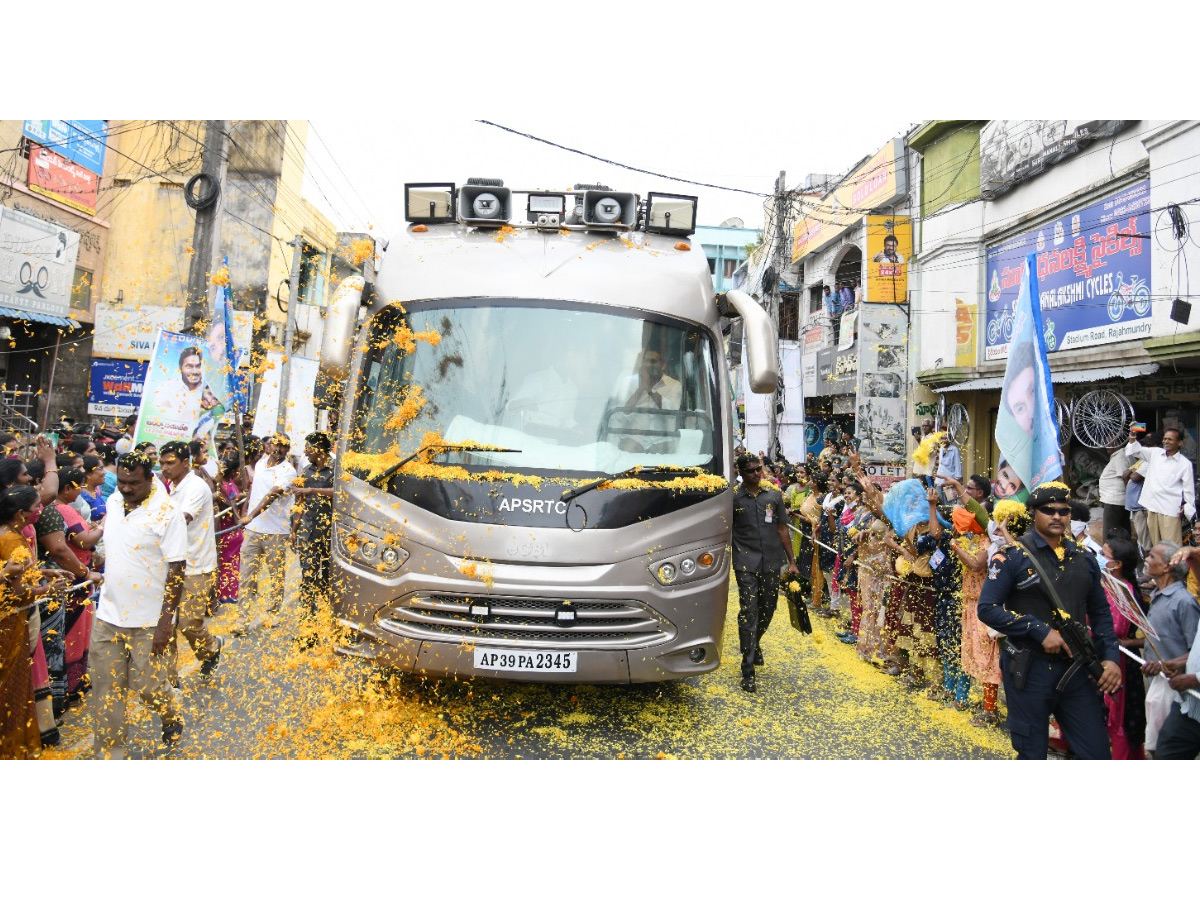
(125, 444)
(950, 462)
(1169, 486)
(194, 499)
(651, 388)
(145, 541)
(1112, 492)
(268, 524)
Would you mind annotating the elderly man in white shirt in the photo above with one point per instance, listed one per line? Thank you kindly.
(640, 394)
(194, 499)
(1112, 491)
(268, 525)
(146, 548)
(1169, 486)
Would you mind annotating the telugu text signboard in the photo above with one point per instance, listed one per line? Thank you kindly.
(116, 387)
(56, 176)
(877, 181)
(81, 141)
(1093, 274)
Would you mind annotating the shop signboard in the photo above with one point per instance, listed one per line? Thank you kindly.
(882, 385)
(1093, 274)
(37, 264)
(1012, 150)
(82, 141)
(56, 176)
(128, 330)
(889, 250)
(837, 371)
(873, 184)
(116, 387)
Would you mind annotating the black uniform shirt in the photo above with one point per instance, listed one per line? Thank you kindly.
(316, 517)
(756, 544)
(1013, 602)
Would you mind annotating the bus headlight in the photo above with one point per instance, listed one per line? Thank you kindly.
(368, 551)
(693, 565)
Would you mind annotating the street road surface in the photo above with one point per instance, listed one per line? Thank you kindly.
(815, 700)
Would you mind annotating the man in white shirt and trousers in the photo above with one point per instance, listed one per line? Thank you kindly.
(1169, 486)
(268, 525)
(193, 497)
(145, 541)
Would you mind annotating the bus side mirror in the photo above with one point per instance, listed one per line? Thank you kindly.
(762, 342)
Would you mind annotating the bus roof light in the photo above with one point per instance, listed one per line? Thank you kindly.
(428, 202)
(670, 214)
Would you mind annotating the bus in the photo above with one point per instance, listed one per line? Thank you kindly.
(535, 437)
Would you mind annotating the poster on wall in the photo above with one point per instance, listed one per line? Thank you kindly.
(82, 141)
(183, 397)
(115, 388)
(889, 249)
(882, 388)
(1093, 268)
(37, 264)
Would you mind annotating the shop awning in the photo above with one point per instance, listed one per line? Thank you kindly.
(1074, 376)
(10, 313)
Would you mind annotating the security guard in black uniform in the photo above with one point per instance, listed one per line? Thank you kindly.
(760, 544)
(1035, 659)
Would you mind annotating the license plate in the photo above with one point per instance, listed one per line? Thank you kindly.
(526, 660)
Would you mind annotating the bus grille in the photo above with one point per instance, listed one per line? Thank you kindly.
(528, 621)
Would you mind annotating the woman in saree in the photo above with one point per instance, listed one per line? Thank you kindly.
(229, 545)
(1126, 707)
(980, 655)
(26, 714)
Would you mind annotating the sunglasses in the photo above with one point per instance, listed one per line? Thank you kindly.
(1055, 510)
(749, 469)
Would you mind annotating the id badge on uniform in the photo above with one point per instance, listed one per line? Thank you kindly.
(770, 515)
(937, 559)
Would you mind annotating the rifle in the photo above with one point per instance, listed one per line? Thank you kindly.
(1073, 632)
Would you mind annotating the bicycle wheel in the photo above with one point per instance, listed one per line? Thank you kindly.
(812, 434)
(1141, 301)
(1116, 306)
(832, 433)
(958, 424)
(1100, 419)
(1062, 415)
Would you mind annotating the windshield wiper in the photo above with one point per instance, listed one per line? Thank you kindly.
(438, 449)
(567, 496)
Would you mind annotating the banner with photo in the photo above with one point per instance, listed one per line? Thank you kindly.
(185, 393)
(882, 387)
(889, 249)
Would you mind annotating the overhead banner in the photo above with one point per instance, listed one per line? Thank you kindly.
(56, 176)
(183, 398)
(116, 387)
(82, 141)
(1093, 268)
(889, 250)
(882, 385)
(872, 184)
(37, 264)
(1012, 150)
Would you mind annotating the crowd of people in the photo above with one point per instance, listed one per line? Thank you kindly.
(113, 554)
(938, 581)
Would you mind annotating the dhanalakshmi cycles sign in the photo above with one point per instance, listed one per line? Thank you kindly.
(1093, 269)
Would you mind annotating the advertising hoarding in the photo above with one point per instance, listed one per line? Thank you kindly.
(1013, 150)
(889, 250)
(882, 385)
(115, 388)
(37, 264)
(1093, 269)
(56, 176)
(82, 141)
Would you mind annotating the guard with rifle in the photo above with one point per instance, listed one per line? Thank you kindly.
(1043, 593)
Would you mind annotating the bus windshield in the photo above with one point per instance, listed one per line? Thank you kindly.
(565, 387)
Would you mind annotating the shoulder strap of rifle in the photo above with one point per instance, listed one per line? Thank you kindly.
(1050, 592)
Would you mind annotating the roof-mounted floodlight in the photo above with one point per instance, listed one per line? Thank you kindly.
(428, 203)
(484, 201)
(609, 209)
(670, 214)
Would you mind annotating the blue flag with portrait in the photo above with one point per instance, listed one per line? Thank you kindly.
(1026, 427)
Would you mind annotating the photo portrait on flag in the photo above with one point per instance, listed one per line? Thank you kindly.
(1026, 428)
